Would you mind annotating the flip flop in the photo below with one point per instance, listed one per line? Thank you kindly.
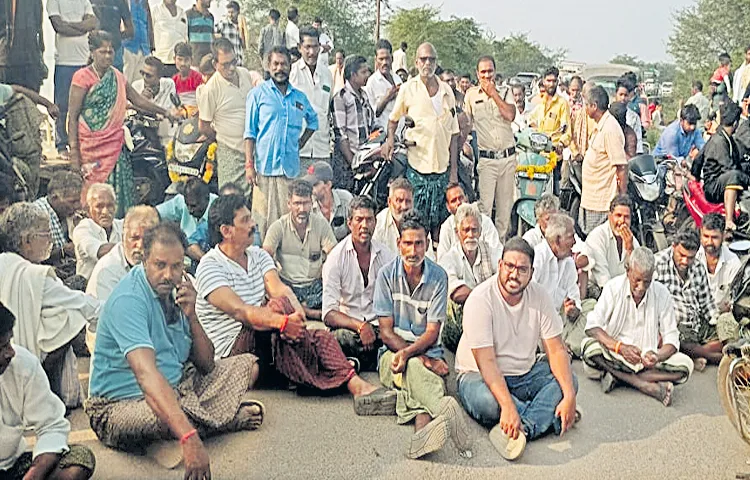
(246, 420)
(609, 382)
(380, 402)
(700, 364)
(508, 448)
(354, 361)
(666, 388)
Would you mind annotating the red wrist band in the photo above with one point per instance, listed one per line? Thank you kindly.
(283, 324)
(187, 436)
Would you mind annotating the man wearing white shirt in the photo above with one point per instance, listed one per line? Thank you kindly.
(383, 85)
(611, 242)
(326, 44)
(292, 30)
(399, 58)
(400, 201)
(95, 236)
(170, 28)
(316, 82)
(454, 198)
(27, 402)
(741, 78)
(159, 91)
(349, 276)
(634, 316)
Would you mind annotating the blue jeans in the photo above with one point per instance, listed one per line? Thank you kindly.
(535, 394)
(63, 80)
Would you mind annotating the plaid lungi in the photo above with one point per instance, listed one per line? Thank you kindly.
(210, 401)
(77, 456)
(311, 295)
(429, 196)
(589, 219)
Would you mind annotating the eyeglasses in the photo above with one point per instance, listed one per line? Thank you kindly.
(521, 269)
(42, 234)
(427, 59)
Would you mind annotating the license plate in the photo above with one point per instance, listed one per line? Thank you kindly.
(183, 170)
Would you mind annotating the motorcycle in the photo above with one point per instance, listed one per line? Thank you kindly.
(646, 187)
(147, 157)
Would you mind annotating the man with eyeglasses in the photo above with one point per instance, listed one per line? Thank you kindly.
(157, 89)
(500, 381)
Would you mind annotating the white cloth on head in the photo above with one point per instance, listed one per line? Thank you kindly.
(449, 237)
(88, 238)
(558, 277)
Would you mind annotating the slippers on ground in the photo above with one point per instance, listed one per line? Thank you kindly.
(609, 382)
(380, 402)
(354, 361)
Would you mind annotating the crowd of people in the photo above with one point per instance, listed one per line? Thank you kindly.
(188, 306)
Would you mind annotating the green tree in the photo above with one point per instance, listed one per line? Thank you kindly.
(516, 53)
(625, 59)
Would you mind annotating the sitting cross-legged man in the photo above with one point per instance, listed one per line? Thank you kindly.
(501, 381)
(26, 401)
(154, 376)
(234, 278)
(96, 235)
(349, 276)
(410, 300)
(632, 333)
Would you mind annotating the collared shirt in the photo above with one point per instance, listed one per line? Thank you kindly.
(449, 237)
(164, 100)
(223, 104)
(134, 318)
(229, 30)
(27, 402)
(274, 121)
(412, 311)
(535, 236)
(344, 288)
(88, 238)
(606, 152)
(633, 120)
(432, 132)
(550, 116)
(694, 304)
(676, 142)
(521, 120)
(325, 40)
(608, 262)
(107, 273)
(270, 36)
(318, 88)
(353, 117)
(168, 31)
(741, 80)
(70, 51)
(728, 266)
(339, 212)
(292, 35)
(377, 88)
(494, 133)
(200, 33)
(300, 260)
(642, 326)
(338, 77)
(111, 13)
(140, 43)
(558, 277)
(175, 210)
(702, 104)
(461, 273)
(59, 233)
(386, 232)
(399, 61)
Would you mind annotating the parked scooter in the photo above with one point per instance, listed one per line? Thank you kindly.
(646, 186)
(147, 157)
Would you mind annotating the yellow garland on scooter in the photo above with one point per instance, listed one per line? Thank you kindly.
(211, 156)
(531, 170)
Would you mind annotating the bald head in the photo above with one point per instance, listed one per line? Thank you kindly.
(426, 60)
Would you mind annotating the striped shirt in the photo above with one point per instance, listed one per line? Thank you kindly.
(200, 33)
(216, 270)
(412, 311)
(353, 117)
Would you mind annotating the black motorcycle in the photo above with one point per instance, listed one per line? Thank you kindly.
(646, 186)
(148, 159)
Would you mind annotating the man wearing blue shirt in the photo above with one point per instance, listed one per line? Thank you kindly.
(273, 136)
(681, 136)
(140, 46)
(189, 210)
(154, 376)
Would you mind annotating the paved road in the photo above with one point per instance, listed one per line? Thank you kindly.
(623, 435)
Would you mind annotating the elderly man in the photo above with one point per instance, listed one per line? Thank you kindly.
(454, 198)
(95, 236)
(383, 85)
(400, 201)
(189, 210)
(52, 316)
(695, 310)
(605, 166)
(153, 373)
(276, 112)
(115, 265)
(633, 336)
(299, 242)
(492, 110)
(611, 242)
(317, 84)
(61, 203)
(349, 276)
(410, 302)
(154, 87)
(234, 279)
(433, 157)
(332, 203)
(500, 381)
(27, 402)
(469, 262)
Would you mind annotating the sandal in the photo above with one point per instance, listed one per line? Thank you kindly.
(380, 402)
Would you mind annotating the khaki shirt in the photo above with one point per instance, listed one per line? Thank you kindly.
(300, 260)
(432, 132)
(494, 133)
(606, 152)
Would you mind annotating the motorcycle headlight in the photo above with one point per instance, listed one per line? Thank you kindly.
(538, 141)
(649, 192)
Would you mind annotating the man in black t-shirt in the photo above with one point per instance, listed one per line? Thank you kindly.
(110, 14)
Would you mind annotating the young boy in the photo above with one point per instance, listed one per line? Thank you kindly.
(186, 79)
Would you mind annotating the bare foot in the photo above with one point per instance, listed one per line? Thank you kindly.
(700, 364)
(357, 386)
(665, 389)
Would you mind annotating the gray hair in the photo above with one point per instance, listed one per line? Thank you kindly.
(98, 188)
(140, 215)
(468, 210)
(17, 222)
(547, 203)
(642, 259)
(400, 184)
(558, 225)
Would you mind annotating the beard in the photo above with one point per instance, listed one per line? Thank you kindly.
(413, 261)
(471, 245)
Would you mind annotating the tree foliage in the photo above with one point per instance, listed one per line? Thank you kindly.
(516, 53)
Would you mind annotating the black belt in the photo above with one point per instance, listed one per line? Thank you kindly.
(497, 155)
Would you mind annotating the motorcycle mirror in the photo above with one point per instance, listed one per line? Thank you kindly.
(408, 122)
(175, 99)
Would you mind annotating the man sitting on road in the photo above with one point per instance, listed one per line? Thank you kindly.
(695, 310)
(349, 276)
(234, 279)
(95, 236)
(400, 201)
(454, 198)
(633, 336)
(332, 203)
(153, 374)
(469, 262)
(189, 210)
(299, 242)
(500, 382)
(27, 402)
(410, 302)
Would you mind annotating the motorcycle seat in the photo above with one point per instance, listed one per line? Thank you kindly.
(699, 199)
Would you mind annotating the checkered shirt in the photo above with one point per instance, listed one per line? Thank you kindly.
(692, 298)
(55, 227)
(352, 116)
(231, 32)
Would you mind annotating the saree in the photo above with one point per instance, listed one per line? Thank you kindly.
(101, 136)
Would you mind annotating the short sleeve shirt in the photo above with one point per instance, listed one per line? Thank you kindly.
(223, 104)
(111, 13)
(494, 133)
(216, 270)
(175, 210)
(70, 51)
(606, 152)
(200, 33)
